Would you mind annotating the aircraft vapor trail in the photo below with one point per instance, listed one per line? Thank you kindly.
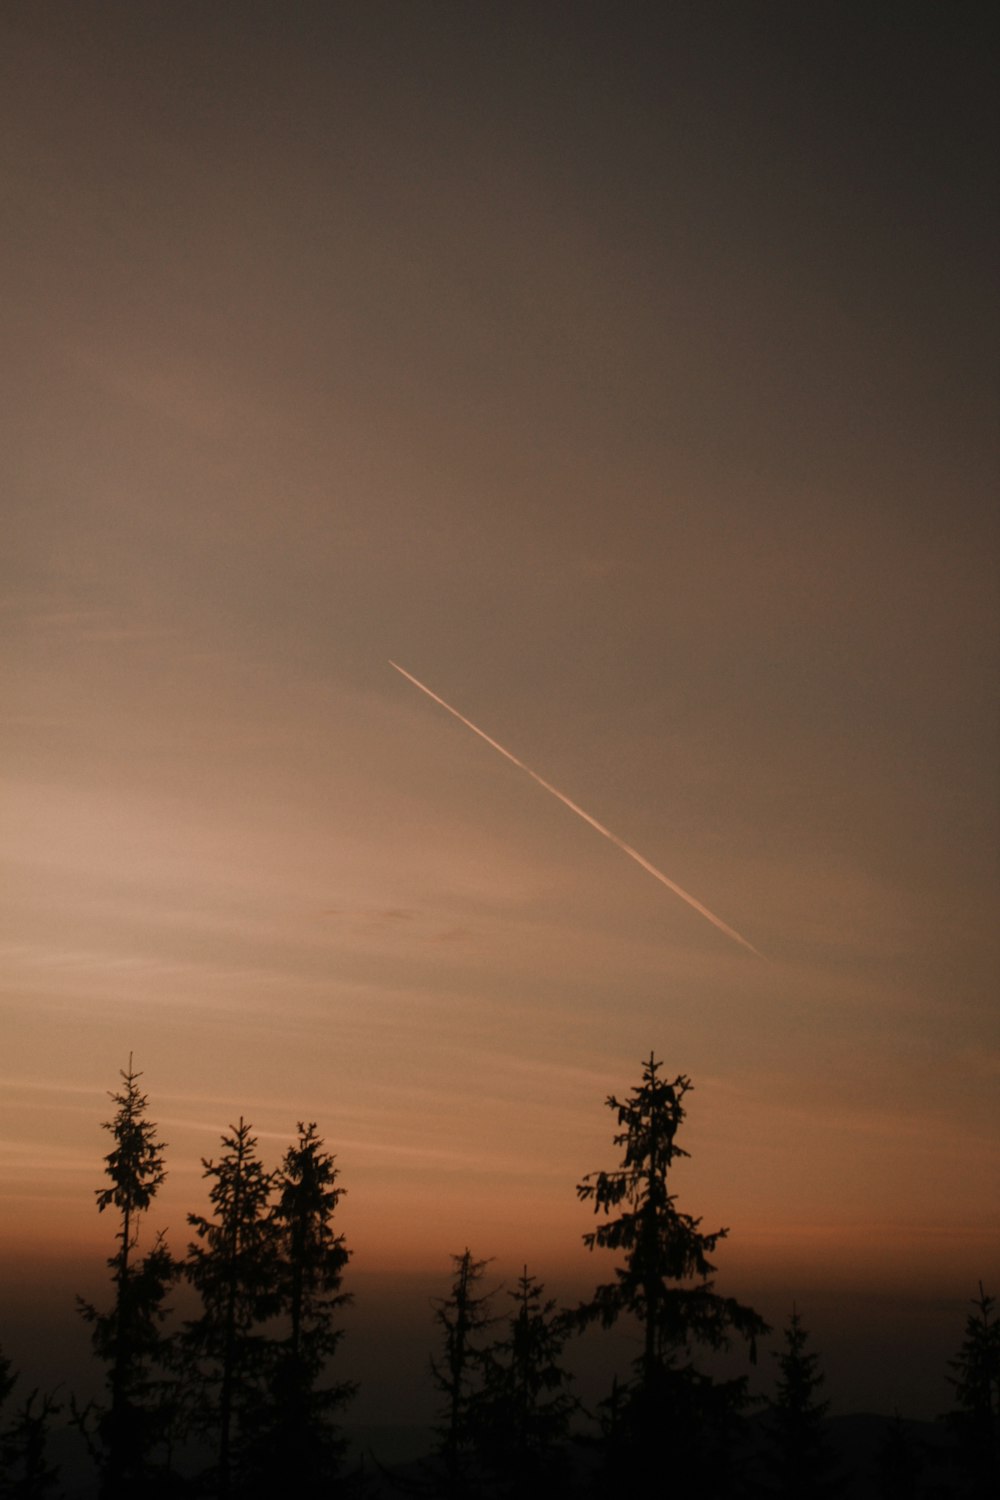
(574, 807)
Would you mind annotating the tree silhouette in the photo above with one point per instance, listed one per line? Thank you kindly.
(523, 1416)
(463, 1317)
(663, 1281)
(128, 1338)
(233, 1267)
(801, 1461)
(976, 1421)
(25, 1472)
(294, 1430)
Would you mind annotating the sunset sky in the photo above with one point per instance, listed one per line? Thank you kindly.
(627, 374)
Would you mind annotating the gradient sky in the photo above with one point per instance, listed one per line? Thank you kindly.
(629, 375)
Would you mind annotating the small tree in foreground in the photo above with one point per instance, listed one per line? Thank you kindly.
(801, 1461)
(976, 1421)
(463, 1318)
(663, 1280)
(25, 1471)
(523, 1416)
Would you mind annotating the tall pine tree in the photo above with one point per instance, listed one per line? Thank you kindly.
(232, 1265)
(295, 1429)
(663, 1280)
(129, 1338)
(463, 1318)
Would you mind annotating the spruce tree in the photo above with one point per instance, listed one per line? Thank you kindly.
(463, 1318)
(663, 1280)
(975, 1422)
(232, 1266)
(522, 1419)
(800, 1461)
(129, 1337)
(25, 1470)
(295, 1431)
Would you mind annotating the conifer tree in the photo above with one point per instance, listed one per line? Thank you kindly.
(129, 1337)
(25, 1470)
(664, 1281)
(232, 1266)
(523, 1417)
(463, 1318)
(976, 1421)
(801, 1461)
(295, 1430)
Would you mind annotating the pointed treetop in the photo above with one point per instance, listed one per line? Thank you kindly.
(135, 1166)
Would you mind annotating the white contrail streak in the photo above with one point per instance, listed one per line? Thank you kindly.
(573, 807)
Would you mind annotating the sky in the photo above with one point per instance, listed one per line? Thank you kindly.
(628, 375)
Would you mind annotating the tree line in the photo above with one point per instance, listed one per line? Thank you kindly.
(241, 1401)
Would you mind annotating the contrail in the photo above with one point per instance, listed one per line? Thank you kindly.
(573, 807)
